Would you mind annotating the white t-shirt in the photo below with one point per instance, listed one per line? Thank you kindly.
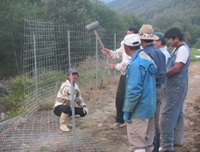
(182, 55)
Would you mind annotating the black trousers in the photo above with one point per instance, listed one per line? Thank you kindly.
(67, 110)
(119, 101)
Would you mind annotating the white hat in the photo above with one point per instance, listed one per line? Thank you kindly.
(132, 40)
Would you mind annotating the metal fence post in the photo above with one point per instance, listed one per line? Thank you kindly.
(72, 96)
(96, 63)
(35, 71)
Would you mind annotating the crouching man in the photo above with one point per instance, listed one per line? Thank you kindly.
(62, 106)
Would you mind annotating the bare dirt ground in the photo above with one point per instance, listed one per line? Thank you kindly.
(101, 103)
(38, 131)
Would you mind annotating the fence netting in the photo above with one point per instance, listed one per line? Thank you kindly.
(49, 50)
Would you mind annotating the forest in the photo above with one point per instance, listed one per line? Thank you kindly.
(163, 15)
(32, 95)
(115, 16)
(72, 12)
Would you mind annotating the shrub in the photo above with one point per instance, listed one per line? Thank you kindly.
(14, 102)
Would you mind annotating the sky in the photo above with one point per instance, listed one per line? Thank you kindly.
(106, 1)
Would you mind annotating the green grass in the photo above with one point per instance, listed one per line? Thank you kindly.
(193, 53)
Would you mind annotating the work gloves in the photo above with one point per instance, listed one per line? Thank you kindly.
(127, 117)
(85, 110)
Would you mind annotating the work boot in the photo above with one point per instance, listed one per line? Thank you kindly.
(117, 125)
(63, 122)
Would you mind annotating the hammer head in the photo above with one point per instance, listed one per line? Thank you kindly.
(92, 26)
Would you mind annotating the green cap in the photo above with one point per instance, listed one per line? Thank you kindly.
(160, 35)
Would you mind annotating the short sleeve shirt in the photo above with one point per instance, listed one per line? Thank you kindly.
(182, 55)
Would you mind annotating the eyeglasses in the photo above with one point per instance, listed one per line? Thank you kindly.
(146, 35)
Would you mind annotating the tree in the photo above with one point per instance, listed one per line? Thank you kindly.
(69, 12)
(12, 14)
(197, 44)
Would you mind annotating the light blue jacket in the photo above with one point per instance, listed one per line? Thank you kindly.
(140, 97)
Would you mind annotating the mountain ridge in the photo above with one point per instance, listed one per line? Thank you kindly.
(147, 8)
(162, 14)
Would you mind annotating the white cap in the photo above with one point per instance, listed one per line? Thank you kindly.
(132, 40)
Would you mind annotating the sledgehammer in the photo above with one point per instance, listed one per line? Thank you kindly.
(92, 27)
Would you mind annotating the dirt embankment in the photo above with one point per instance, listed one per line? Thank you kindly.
(101, 104)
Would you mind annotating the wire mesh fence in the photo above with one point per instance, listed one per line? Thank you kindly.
(49, 50)
(41, 134)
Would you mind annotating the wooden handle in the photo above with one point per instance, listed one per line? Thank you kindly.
(98, 38)
(102, 46)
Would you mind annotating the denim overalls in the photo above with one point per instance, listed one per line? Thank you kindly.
(172, 118)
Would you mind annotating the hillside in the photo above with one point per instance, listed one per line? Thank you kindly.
(164, 14)
(147, 9)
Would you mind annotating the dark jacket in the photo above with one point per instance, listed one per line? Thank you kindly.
(159, 59)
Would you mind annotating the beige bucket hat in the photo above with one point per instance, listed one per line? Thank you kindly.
(146, 33)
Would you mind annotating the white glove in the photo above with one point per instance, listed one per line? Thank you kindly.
(85, 110)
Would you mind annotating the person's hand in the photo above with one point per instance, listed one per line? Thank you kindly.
(105, 51)
(85, 110)
(112, 66)
(127, 117)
